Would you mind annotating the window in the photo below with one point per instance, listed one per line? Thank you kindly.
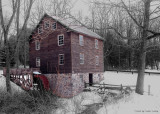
(54, 26)
(37, 45)
(81, 58)
(38, 61)
(60, 40)
(40, 29)
(46, 24)
(81, 40)
(97, 60)
(96, 43)
(61, 59)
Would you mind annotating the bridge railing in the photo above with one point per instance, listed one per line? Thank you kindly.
(22, 76)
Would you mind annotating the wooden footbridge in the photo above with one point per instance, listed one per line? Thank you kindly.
(26, 79)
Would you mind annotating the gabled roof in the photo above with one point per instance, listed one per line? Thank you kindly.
(73, 25)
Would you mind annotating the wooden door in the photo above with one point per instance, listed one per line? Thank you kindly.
(90, 79)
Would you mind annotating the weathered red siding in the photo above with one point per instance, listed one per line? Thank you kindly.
(49, 49)
(90, 53)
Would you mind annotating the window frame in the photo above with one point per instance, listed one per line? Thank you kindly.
(81, 57)
(81, 42)
(55, 25)
(37, 45)
(96, 43)
(59, 60)
(58, 40)
(39, 29)
(97, 60)
(45, 24)
(39, 62)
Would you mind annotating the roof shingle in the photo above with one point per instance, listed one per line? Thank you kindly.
(74, 25)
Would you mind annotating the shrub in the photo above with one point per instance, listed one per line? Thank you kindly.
(32, 102)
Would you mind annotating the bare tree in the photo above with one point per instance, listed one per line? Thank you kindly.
(24, 26)
(146, 34)
(1, 37)
(133, 23)
(6, 29)
(59, 8)
(17, 22)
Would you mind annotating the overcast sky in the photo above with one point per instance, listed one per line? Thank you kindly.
(79, 5)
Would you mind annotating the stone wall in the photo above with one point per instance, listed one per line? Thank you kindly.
(97, 77)
(69, 85)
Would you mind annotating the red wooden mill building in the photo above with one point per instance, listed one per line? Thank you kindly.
(67, 53)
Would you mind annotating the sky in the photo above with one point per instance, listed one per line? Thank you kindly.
(81, 5)
(78, 5)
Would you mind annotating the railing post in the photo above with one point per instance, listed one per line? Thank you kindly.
(149, 89)
(121, 88)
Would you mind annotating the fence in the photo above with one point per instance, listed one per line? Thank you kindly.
(22, 76)
(122, 88)
(134, 71)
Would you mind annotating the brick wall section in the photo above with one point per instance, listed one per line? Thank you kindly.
(97, 77)
(90, 53)
(65, 85)
(49, 49)
(69, 85)
(71, 49)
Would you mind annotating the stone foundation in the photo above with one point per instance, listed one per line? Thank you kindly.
(69, 85)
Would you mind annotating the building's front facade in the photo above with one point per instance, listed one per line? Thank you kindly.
(61, 49)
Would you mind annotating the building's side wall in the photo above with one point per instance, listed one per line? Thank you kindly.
(90, 53)
(49, 49)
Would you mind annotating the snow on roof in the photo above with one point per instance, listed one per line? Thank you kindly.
(74, 25)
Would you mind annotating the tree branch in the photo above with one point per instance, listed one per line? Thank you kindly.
(125, 7)
(1, 17)
(123, 37)
(26, 20)
(153, 36)
(14, 11)
(155, 17)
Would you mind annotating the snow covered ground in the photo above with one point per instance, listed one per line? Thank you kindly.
(14, 87)
(127, 78)
(133, 104)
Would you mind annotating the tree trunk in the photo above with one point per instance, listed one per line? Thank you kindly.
(8, 85)
(142, 57)
(141, 70)
(6, 44)
(17, 49)
(25, 49)
(157, 65)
